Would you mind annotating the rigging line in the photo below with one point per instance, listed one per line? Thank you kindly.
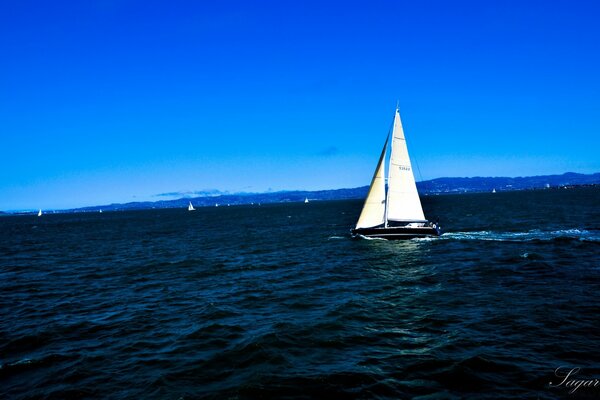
(420, 176)
(418, 169)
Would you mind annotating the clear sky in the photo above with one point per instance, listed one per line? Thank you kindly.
(115, 101)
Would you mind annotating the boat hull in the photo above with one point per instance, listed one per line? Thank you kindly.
(398, 232)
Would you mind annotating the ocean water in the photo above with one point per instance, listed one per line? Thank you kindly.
(277, 301)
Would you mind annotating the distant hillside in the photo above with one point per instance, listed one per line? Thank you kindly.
(434, 186)
(483, 184)
(236, 199)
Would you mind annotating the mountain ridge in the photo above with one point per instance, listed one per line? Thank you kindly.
(445, 185)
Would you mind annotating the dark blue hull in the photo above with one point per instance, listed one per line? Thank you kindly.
(398, 232)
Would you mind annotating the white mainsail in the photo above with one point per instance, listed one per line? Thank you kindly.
(191, 207)
(40, 213)
(373, 212)
(403, 202)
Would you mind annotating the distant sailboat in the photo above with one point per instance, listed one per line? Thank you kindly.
(191, 207)
(306, 200)
(40, 213)
(494, 190)
(395, 213)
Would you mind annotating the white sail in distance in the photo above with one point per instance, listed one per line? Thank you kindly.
(403, 203)
(373, 212)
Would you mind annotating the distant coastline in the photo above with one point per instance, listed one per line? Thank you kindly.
(438, 186)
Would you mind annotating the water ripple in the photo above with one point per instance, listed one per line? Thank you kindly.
(244, 302)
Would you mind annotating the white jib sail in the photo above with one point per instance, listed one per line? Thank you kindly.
(373, 212)
(403, 202)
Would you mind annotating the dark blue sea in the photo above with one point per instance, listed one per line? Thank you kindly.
(277, 301)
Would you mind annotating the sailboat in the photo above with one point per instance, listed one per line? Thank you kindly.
(305, 200)
(40, 213)
(395, 213)
(191, 207)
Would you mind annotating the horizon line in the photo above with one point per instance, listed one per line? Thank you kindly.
(219, 193)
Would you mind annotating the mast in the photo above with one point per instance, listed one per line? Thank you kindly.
(387, 195)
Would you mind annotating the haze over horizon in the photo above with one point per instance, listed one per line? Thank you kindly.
(113, 102)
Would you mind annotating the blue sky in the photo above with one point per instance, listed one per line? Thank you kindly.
(114, 101)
